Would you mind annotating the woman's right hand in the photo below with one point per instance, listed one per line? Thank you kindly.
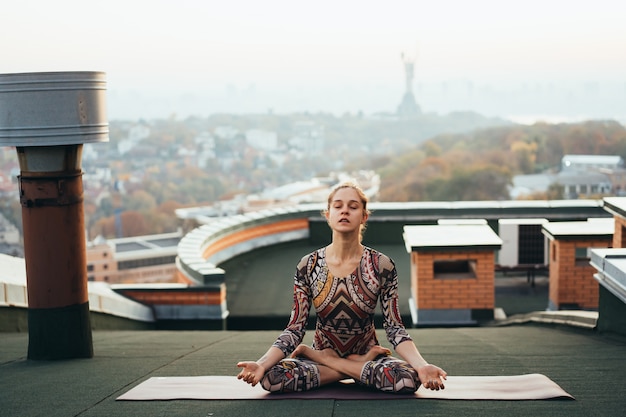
(251, 372)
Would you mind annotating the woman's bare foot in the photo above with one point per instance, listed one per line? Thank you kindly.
(372, 354)
(319, 356)
(345, 367)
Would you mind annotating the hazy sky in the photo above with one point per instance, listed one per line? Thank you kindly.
(553, 58)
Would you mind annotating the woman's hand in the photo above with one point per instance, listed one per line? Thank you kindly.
(251, 372)
(432, 377)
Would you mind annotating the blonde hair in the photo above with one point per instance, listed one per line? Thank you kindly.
(360, 193)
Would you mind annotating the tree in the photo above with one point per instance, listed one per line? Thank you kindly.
(104, 227)
(140, 200)
(469, 184)
(134, 224)
(524, 155)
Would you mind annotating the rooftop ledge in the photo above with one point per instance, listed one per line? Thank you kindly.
(574, 318)
(611, 266)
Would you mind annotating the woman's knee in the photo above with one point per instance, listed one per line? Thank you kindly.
(396, 377)
(274, 380)
(291, 376)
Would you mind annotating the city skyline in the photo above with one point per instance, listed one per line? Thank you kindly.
(558, 60)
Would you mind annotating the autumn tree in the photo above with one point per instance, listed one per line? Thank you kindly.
(471, 183)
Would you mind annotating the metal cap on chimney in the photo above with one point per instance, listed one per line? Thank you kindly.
(53, 108)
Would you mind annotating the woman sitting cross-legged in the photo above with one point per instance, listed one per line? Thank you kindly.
(344, 281)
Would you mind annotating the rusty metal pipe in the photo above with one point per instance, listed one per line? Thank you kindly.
(56, 266)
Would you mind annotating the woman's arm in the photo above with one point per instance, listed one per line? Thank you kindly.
(389, 305)
(252, 371)
(430, 376)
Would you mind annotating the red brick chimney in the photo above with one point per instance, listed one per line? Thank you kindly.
(452, 272)
(572, 285)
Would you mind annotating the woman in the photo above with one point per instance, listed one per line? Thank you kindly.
(344, 281)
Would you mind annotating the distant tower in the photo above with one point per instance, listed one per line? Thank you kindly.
(408, 107)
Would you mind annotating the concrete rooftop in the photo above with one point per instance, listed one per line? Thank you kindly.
(591, 367)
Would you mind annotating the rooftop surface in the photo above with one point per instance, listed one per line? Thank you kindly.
(590, 367)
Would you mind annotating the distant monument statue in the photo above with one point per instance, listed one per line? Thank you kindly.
(408, 107)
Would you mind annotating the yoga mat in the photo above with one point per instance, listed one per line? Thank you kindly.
(517, 387)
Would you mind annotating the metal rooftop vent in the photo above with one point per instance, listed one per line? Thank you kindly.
(48, 117)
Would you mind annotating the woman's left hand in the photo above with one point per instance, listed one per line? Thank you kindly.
(432, 377)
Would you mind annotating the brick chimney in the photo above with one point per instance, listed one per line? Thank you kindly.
(452, 272)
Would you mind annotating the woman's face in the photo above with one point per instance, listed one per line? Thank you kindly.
(346, 212)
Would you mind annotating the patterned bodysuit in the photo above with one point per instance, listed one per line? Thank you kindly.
(345, 309)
